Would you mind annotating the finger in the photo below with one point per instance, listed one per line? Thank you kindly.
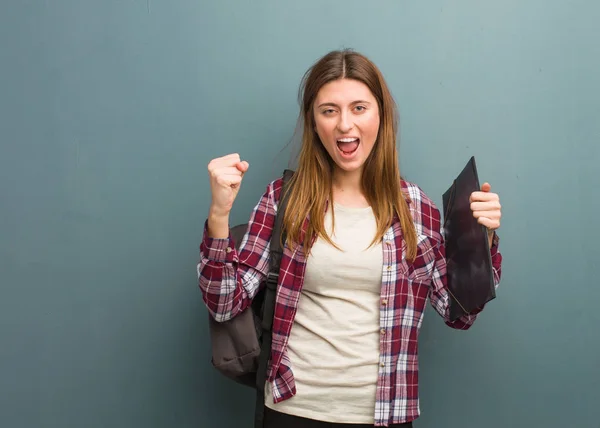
(227, 170)
(495, 215)
(483, 196)
(486, 206)
(242, 166)
(489, 223)
(229, 160)
(229, 180)
(486, 187)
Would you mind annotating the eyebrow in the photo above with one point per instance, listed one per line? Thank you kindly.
(335, 105)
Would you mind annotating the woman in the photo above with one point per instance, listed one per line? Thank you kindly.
(364, 251)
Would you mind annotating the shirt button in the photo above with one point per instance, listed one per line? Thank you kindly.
(228, 249)
(384, 302)
(388, 243)
(382, 331)
(381, 364)
(389, 268)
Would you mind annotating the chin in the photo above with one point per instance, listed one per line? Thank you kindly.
(350, 167)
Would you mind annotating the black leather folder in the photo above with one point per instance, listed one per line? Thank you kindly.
(469, 263)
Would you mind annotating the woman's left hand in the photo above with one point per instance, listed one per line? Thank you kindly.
(486, 208)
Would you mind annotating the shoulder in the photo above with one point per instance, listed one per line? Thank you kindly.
(273, 192)
(426, 215)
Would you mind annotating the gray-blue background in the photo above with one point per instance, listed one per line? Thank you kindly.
(110, 111)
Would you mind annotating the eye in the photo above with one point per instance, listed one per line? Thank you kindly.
(360, 109)
(328, 111)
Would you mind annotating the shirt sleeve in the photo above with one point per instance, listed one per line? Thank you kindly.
(229, 279)
(439, 295)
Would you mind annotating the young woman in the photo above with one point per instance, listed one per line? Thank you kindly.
(364, 252)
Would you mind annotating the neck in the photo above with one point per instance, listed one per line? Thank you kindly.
(347, 188)
(347, 181)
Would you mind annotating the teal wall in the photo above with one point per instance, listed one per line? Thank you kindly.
(110, 111)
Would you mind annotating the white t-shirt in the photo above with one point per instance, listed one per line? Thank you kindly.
(334, 342)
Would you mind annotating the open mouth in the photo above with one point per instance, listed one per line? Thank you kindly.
(348, 145)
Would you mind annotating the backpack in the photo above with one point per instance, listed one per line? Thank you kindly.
(241, 346)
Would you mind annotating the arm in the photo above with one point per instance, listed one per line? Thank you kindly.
(229, 279)
(439, 295)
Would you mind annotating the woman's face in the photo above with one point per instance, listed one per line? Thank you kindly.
(346, 118)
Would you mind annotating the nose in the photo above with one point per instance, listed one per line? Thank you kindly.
(344, 123)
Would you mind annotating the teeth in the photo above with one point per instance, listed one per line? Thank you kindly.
(347, 140)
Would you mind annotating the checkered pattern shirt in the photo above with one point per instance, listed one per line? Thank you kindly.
(229, 279)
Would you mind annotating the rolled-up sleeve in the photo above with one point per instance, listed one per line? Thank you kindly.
(440, 298)
(228, 278)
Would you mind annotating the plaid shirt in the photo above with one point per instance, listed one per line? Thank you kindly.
(230, 279)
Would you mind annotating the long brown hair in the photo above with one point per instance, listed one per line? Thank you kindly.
(311, 186)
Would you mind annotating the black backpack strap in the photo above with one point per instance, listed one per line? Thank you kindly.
(276, 253)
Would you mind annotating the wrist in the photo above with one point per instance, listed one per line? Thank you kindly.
(218, 224)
